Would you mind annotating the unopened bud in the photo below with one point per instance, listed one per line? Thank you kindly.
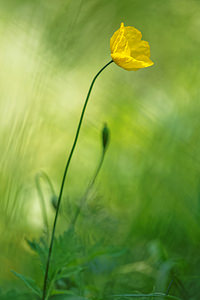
(54, 201)
(105, 136)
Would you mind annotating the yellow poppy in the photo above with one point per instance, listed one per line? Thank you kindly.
(128, 50)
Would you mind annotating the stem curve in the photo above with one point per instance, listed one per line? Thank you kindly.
(44, 297)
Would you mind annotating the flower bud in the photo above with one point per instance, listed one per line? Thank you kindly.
(54, 201)
(105, 136)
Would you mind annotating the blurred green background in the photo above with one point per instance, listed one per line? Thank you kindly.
(149, 185)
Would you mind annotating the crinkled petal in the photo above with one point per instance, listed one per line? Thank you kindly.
(118, 42)
(132, 35)
(141, 48)
(131, 64)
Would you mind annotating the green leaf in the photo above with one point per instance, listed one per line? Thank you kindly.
(67, 297)
(159, 295)
(62, 292)
(17, 295)
(68, 272)
(41, 249)
(29, 282)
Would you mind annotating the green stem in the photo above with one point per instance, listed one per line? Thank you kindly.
(38, 178)
(46, 177)
(63, 181)
(169, 286)
(83, 199)
(42, 202)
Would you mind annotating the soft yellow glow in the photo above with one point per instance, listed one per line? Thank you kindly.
(128, 50)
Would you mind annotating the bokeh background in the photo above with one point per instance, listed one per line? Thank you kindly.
(149, 185)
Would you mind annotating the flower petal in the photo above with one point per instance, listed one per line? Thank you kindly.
(132, 35)
(128, 50)
(118, 42)
(141, 48)
(131, 64)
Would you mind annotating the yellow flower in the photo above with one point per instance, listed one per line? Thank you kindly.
(128, 50)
